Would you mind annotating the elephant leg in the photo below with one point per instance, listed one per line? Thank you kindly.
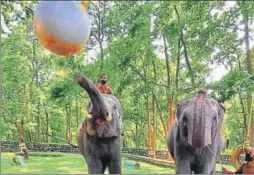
(206, 168)
(183, 167)
(95, 166)
(115, 166)
(202, 170)
(104, 166)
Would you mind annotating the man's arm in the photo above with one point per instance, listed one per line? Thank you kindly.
(110, 91)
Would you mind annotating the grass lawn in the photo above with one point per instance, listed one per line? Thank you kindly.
(65, 163)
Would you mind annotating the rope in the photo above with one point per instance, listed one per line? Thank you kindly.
(215, 155)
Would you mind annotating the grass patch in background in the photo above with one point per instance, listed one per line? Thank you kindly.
(66, 163)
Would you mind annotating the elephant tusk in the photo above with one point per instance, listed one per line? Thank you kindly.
(109, 118)
(87, 115)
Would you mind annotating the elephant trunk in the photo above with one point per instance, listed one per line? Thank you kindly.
(99, 110)
(199, 133)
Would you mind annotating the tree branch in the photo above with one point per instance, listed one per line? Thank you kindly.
(184, 47)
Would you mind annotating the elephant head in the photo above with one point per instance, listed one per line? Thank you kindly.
(199, 120)
(102, 112)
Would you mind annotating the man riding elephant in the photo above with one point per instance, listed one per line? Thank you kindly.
(99, 135)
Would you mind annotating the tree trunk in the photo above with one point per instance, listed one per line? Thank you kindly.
(1, 87)
(178, 62)
(154, 125)
(47, 122)
(77, 112)
(22, 145)
(39, 123)
(148, 124)
(102, 56)
(243, 112)
(70, 124)
(249, 69)
(185, 49)
(167, 60)
(67, 123)
(161, 118)
(136, 135)
(169, 100)
(30, 136)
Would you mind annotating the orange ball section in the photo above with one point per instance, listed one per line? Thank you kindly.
(76, 28)
(54, 45)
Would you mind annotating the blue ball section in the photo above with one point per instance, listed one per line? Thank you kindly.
(62, 26)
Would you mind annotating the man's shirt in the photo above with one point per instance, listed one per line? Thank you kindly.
(104, 88)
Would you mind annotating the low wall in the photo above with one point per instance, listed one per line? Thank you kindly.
(164, 155)
(7, 146)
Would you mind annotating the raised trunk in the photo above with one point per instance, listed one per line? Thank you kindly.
(98, 106)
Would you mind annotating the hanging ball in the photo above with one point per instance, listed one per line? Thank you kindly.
(62, 26)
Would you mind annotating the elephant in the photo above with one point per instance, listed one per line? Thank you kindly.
(99, 136)
(195, 139)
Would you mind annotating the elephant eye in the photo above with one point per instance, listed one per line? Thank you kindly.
(215, 118)
(184, 120)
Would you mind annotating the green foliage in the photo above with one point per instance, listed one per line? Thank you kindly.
(230, 83)
(38, 86)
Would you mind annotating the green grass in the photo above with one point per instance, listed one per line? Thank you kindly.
(49, 163)
(65, 163)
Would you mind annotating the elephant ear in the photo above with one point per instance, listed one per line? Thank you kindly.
(221, 112)
(179, 111)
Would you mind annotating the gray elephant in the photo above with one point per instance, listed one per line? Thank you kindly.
(100, 134)
(195, 140)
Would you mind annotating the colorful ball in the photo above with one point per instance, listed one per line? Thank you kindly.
(62, 27)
